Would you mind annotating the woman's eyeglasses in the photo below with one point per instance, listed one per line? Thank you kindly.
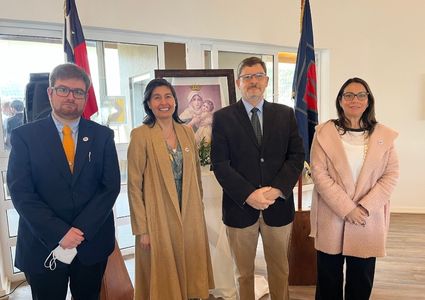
(362, 96)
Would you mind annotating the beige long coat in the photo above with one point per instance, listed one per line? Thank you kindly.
(335, 193)
(178, 265)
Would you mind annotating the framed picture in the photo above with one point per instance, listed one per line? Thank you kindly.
(199, 94)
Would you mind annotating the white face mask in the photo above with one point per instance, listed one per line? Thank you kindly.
(64, 255)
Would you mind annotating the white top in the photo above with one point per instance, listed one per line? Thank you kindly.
(355, 146)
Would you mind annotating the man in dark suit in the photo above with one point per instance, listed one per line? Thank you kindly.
(257, 156)
(64, 200)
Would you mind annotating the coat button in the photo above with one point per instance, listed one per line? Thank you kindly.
(262, 160)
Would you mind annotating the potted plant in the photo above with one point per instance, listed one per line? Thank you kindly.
(204, 151)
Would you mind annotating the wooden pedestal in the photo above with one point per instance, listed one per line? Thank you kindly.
(302, 255)
(116, 284)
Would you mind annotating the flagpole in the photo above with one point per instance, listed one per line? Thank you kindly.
(300, 193)
(302, 255)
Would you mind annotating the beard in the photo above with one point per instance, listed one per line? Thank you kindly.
(68, 111)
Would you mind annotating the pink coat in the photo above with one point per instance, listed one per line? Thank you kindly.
(335, 193)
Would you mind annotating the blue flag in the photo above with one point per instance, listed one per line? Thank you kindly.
(304, 84)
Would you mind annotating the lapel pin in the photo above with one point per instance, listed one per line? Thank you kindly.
(85, 139)
(186, 149)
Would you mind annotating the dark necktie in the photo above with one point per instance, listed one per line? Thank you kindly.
(255, 121)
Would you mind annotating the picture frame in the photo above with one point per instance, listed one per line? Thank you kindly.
(201, 92)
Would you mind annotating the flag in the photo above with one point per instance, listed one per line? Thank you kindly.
(304, 85)
(76, 51)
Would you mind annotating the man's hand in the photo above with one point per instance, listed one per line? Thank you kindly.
(72, 238)
(272, 193)
(145, 242)
(258, 200)
(357, 216)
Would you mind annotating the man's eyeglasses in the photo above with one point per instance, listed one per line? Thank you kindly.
(64, 91)
(362, 96)
(248, 77)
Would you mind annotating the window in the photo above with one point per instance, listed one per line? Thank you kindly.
(114, 68)
(20, 57)
(128, 68)
(286, 69)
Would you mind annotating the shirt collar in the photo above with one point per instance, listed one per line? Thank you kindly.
(73, 125)
(248, 106)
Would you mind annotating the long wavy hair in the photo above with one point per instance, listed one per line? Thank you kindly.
(367, 120)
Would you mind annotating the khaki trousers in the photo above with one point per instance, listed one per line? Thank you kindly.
(243, 246)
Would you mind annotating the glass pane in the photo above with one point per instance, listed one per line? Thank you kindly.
(268, 59)
(19, 58)
(12, 254)
(123, 170)
(231, 60)
(5, 188)
(94, 72)
(128, 69)
(125, 237)
(207, 59)
(121, 205)
(286, 77)
(12, 222)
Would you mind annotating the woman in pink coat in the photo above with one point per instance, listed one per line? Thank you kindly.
(355, 169)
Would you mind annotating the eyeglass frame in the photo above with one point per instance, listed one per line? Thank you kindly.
(354, 96)
(55, 88)
(258, 76)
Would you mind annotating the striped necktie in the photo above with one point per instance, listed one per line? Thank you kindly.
(255, 121)
(68, 146)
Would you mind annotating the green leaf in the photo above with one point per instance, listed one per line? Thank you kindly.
(204, 149)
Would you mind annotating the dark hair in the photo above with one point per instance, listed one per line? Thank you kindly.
(17, 105)
(150, 118)
(249, 62)
(368, 121)
(69, 71)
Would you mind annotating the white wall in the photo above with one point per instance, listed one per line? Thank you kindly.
(380, 41)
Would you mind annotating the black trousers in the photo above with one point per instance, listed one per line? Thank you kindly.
(359, 276)
(84, 281)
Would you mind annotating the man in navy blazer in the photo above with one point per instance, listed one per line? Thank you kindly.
(62, 202)
(257, 156)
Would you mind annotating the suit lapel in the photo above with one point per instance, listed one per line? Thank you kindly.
(54, 149)
(268, 121)
(82, 155)
(379, 142)
(246, 122)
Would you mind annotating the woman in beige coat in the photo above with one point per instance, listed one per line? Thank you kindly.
(165, 195)
(355, 169)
